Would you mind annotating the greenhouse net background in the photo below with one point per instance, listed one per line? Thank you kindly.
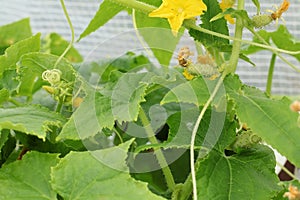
(47, 16)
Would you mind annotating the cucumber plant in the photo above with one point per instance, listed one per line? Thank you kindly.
(126, 128)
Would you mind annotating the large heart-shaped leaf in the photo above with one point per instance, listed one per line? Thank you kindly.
(271, 119)
(31, 120)
(98, 111)
(101, 178)
(28, 178)
(238, 177)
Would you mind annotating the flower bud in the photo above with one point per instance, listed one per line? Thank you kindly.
(295, 106)
(260, 21)
(49, 89)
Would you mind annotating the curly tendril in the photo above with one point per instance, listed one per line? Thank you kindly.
(52, 76)
(61, 90)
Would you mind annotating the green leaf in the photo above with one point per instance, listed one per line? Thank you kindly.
(155, 3)
(180, 170)
(31, 120)
(98, 111)
(28, 178)
(281, 38)
(8, 151)
(253, 49)
(218, 16)
(197, 91)
(56, 45)
(14, 52)
(4, 95)
(127, 95)
(9, 81)
(3, 138)
(286, 185)
(106, 11)
(14, 32)
(246, 59)
(128, 62)
(181, 123)
(37, 144)
(270, 119)
(219, 26)
(157, 34)
(257, 4)
(93, 114)
(194, 91)
(102, 179)
(32, 65)
(39, 62)
(238, 176)
(154, 180)
(284, 40)
(214, 131)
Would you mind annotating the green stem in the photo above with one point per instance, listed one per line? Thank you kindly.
(274, 51)
(187, 187)
(236, 46)
(140, 38)
(72, 34)
(287, 62)
(195, 129)
(11, 100)
(270, 74)
(51, 136)
(190, 24)
(158, 153)
(199, 48)
(119, 135)
(54, 133)
(60, 102)
(137, 5)
(59, 106)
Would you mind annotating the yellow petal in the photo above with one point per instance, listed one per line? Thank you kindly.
(194, 8)
(176, 22)
(162, 12)
(226, 4)
(176, 11)
(229, 19)
(187, 75)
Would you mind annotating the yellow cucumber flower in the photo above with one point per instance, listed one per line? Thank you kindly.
(187, 74)
(227, 4)
(176, 11)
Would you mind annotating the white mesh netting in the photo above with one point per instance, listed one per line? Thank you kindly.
(47, 16)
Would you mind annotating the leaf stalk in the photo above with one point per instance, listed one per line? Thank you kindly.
(158, 152)
(194, 133)
(236, 46)
(270, 74)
